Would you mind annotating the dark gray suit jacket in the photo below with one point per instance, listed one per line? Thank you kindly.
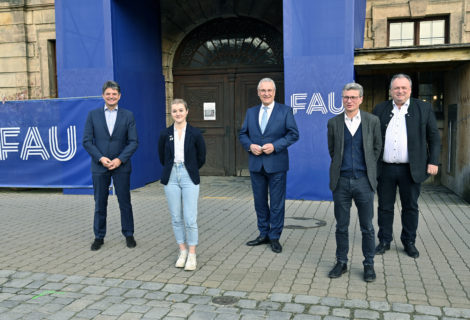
(371, 141)
(424, 141)
(121, 144)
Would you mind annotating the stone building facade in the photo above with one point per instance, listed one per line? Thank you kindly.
(27, 49)
(439, 63)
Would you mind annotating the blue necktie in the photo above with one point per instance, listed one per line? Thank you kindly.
(264, 119)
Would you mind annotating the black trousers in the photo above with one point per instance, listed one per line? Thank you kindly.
(391, 177)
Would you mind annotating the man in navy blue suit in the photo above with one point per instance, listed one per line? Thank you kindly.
(268, 130)
(110, 137)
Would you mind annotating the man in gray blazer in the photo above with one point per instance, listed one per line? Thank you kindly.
(354, 143)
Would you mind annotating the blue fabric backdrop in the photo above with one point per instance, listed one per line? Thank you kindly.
(319, 40)
(41, 143)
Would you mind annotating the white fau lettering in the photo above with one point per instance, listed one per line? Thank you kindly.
(299, 101)
(33, 144)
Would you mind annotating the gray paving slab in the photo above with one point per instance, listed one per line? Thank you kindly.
(45, 252)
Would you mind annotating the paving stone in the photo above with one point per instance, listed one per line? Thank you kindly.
(177, 297)
(199, 299)
(130, 284)
(94, 289)
(88, 313)
(201, 315)
(268, 305)
(294, 308)
(403, 307)
(319, 310)
(152, 286)
(366, 314)
(332, 302)
(277, 315)
(194, 290)
(174, 288)
(116, 310)
(18, 283)
(307, 299)
(227, 317)
(433, 311)
(139, 309)
(306, 317)
(135, 293)
(457, 312)
(396, 316)
(213, 292)
(281, 297)
(240, 294)
(379, 305)
(156, 313)
(6, 273)
(341, 312)
(421, 317)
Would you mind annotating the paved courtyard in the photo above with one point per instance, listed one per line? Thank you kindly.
(47, 270)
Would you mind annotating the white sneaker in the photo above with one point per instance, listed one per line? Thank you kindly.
(191, 262)
(181, 259)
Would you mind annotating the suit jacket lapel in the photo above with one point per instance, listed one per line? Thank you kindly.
(340, 132)
(409, 117)
(171, 142)
(119, 120)
(187, 137)
(103, 120)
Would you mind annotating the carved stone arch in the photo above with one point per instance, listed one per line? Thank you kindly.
(230, 42)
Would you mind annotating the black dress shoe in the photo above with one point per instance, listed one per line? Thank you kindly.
(411, 250)
(338, 270)
(258, 241)
(382, 247)
(276, 246)
(96, 245)
(130, 242)
(369, 273)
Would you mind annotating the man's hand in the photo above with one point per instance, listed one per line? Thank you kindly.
(432, 169)
(115, 163)
(268, 148)
(255, 149)
(105, 161)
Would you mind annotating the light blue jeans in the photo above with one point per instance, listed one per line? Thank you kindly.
(182, 195)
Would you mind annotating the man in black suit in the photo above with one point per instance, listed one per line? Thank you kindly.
(411, 151)
(110, 137)
(354, 143)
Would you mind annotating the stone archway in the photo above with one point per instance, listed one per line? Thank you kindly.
(221, 63)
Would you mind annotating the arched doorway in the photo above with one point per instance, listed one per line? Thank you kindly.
(220, 63)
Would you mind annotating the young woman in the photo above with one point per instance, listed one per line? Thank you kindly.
(182, 153)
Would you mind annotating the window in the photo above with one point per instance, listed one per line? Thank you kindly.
(426, 31)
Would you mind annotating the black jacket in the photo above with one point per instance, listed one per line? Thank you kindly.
(194, 152)
(424, 142)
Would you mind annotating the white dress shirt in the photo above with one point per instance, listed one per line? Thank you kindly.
(269, 111)
(396, 138)
(110, 116)
(179, 144)
(353, 123)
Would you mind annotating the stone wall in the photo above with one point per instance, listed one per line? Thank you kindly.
(378, 11)
(458, 92)
(27, 49)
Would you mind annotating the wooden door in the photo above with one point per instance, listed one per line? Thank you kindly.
(232, 94)
(197, 90)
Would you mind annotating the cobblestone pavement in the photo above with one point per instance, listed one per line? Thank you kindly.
(47, 270)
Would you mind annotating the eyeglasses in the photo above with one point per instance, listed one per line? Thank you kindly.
(352, 98)
(266, 91)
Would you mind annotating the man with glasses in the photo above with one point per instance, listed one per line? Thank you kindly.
(354, 143)
(268, 130)
(411, 153)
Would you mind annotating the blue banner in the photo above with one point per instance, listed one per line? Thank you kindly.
(319, 38)
(40, 143)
